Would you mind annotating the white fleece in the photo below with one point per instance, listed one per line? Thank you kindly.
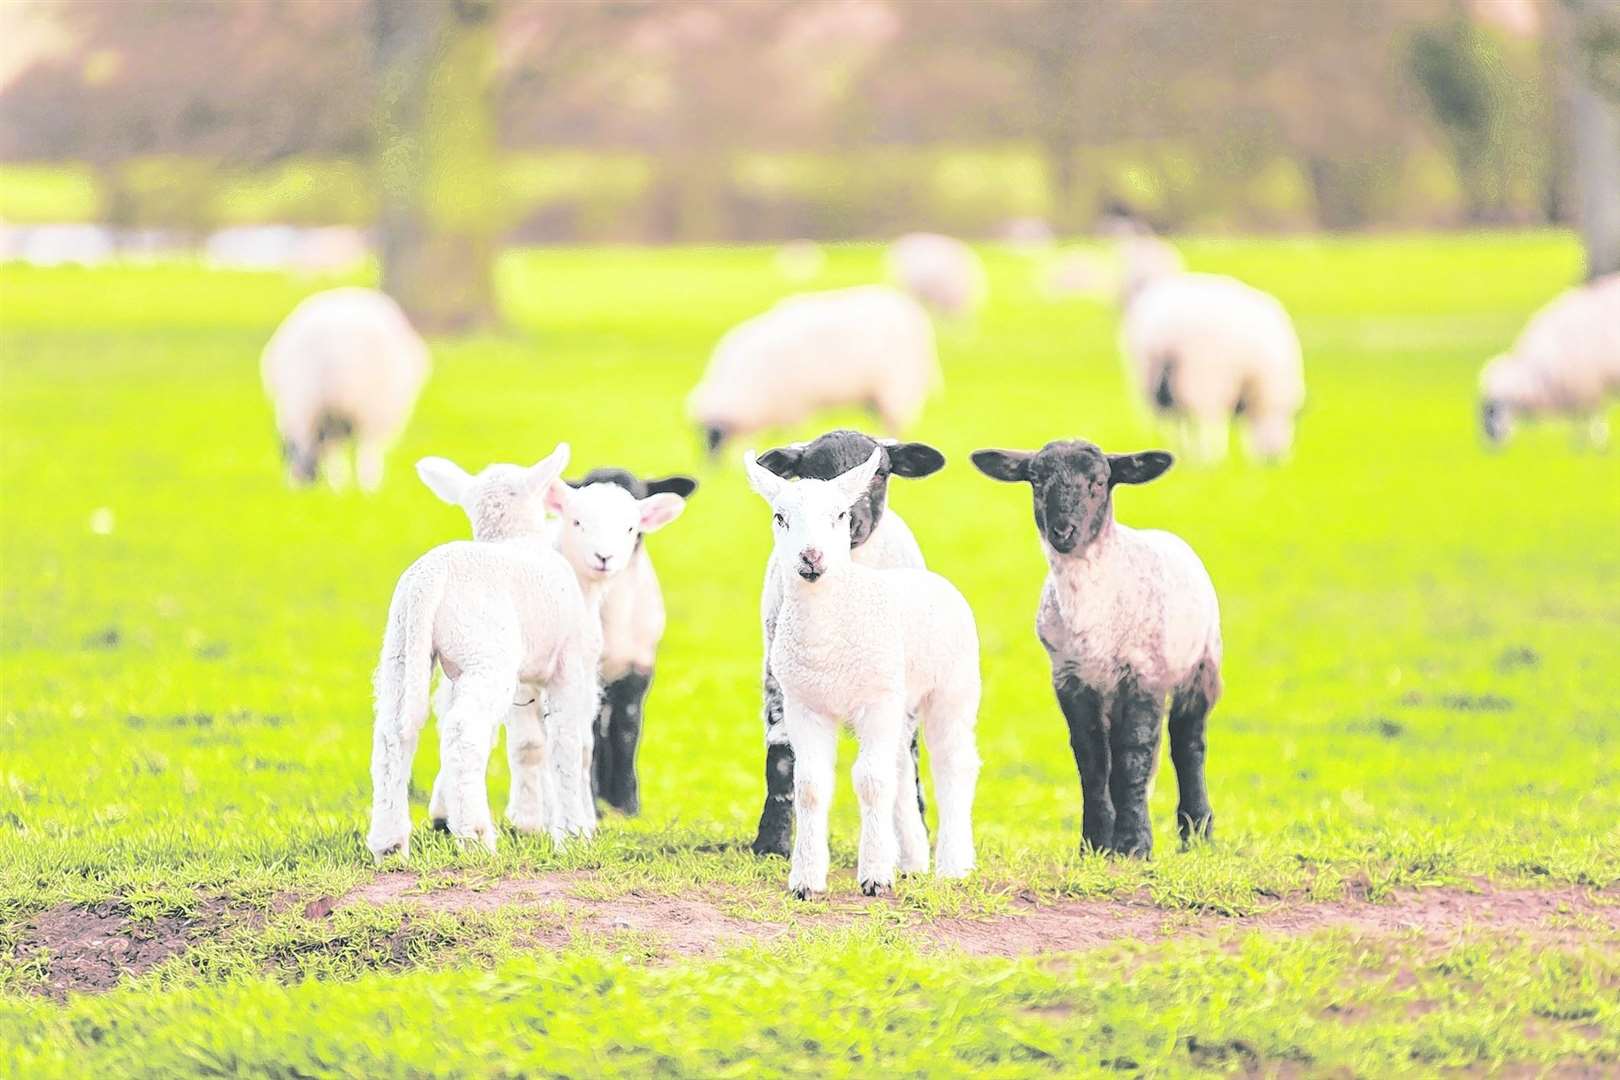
(940, 271)
(1567, 360)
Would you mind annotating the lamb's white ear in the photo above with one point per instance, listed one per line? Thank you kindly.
(543, 472)
(444, 478)
(558, 496)
(659, 510)
(853, 484)
(761, 479)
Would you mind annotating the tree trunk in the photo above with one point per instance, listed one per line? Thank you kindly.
(435, 159)
(1595, 119)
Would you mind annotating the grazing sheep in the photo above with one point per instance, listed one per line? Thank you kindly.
(869, 345)
(1127, 617)
(1565, 363)
(880, 650)
(345, 365)
(940, 271)
(879, 539)
(497, 616)
(604, 519)
(1205, 348)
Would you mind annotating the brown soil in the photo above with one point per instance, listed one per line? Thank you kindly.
(92, 948)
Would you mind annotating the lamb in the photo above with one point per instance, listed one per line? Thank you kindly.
(345, 365)
(1566, 362)
(1127, 617)
(940, 271)
(1205, 348)
(880, 649)
(878, 538)
(866, 346)
(496, 616)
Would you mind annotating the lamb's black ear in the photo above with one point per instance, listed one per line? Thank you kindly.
(1137, 468)
(1009, 465)
(914, 459)
(783, 461)
(675, 485)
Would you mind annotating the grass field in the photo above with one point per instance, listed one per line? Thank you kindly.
(1423, 700)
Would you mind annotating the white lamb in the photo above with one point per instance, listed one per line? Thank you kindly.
(1128, 618)
(1206, 348)
(497, 616)
(878, 649)
(940, 271)
(345, 365)
(1565, 363)
(865, 346)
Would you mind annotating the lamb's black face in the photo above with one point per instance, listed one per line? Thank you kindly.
(837, 452)
(1072, 483)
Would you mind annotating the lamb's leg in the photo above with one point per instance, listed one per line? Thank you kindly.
(393, 747)
(335, 465)
(1088, 738)
(438, 802)
(908, 819)
(571, 701)
(876, 774)
(916, 778)
(1133, 740)
(526, 754)
(602, 755)
(775, 833)
(1189, 712)
(626, 695)
(815, 753)
(948, 725)
(467, 734)
(368, 464)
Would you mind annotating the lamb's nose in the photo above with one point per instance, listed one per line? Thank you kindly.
(811, 562)
(602, 560)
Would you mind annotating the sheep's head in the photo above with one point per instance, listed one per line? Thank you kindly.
(1073, 483)
(502, 501)
(811, 518)
(303, 457)
(837, 452)
(603, 519)
(1502, 386)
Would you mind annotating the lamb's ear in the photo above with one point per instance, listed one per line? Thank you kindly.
(854, 483)
(1137, 468)
(1009, 465)
(675, 485)
(761, 479)
(544, 473)
(914, 459)
(559, 495)
(784, 460)
(444, 478)
(659, 510)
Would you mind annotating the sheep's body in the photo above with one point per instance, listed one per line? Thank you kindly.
(1565, 363)
(865, 346)
(1206, 348)
(345, 364)
(940, 271)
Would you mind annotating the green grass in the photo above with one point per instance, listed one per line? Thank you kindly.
(1422, 678)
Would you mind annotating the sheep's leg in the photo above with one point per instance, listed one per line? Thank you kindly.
(775, 833)
(815, 753)
(1270, 436)
(602, 754)
(953, 751)
(875, 775)
(571, 701)
(439, 801)
(335, 465)
(368, 464)
(1088, 738)
(626, 695)
(1592, 433)
(916, 777)
(908, 815)
(526, 754)
(1210, 437)
(393, 747)
(1133, 740)
(467, 734)
(1189, 713)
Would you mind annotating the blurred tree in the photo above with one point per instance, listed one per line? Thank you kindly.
(1595, 129)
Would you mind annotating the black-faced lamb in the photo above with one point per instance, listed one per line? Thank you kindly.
(1127, 617)
(880, 650)
(1565, 363)
(344, 368)
(880, 539)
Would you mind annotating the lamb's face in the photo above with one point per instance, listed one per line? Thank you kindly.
(837, 452)
(602, 525)
(1072, 484)
(810, 519)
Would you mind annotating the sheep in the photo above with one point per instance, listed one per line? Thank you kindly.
(868, 345)
(1566, 362)
(604, 519)
(344, 365)
(1206, 348)
(1127, 617)
(940, 271)
(881, 650)
(496, 616)
(879, 538)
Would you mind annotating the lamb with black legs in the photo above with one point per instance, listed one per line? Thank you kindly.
(1129, 618)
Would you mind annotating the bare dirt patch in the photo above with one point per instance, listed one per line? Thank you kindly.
(90, 949)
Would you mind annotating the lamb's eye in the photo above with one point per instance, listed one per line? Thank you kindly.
(630, 530)
(781, 522)
(843, 514)
(576, 523)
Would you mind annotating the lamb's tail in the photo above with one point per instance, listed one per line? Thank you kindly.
(405, 670)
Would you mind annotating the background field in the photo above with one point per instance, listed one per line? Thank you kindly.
(1423, 670)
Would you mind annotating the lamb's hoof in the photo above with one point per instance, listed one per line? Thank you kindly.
(771, 845)
(1195, 830)
(802, 892)
(876, 888)
(380, 855)
(440, 824)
